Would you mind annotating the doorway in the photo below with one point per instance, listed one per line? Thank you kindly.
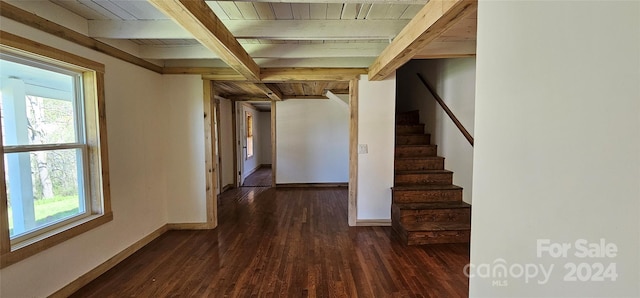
(253, 143)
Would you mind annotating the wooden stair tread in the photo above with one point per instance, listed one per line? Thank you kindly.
(427, 207)
(433, 205)
(415, 145)
(427, 187)
(424, 172)
(410, 124)
(436, 226)
(419, 157)
(411, 134)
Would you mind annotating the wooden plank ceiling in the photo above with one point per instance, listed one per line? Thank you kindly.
(250, 41)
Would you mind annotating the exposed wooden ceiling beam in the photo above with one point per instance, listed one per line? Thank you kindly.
(281, 51)
(250, 29)
(337, 1)
(353, 62)
(248, 98)
(339, 91)
(435, 18)
(213, 73)
(27, 18)
(274, 75)
(447, 49)
(306, 97)
(271, 90)
(197, 18)
(310, 74)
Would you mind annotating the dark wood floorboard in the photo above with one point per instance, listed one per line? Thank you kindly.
(285, 243)
(260, 178)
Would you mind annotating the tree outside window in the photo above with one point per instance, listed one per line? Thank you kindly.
(54, 183)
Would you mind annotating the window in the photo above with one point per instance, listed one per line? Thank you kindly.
(249, 135)
(53, 147)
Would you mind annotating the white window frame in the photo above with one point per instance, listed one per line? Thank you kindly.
(95, 158)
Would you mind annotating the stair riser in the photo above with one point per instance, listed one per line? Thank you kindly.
(409, 129)
(412, 179)
(460, 215)
(423, 139)
(426, 196)
(408, 118)
(430, 237)
(417, 151)
(419, 164)
(419, 224)
(437, 237)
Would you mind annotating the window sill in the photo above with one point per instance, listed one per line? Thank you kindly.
(42, 242)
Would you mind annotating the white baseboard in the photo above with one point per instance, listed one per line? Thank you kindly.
(190, 226)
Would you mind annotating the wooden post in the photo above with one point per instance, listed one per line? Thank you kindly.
(274, 155)
(210, 158)
(353, 152)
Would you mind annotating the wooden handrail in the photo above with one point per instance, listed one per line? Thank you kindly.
(446, 109)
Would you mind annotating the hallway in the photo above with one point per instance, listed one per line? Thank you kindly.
(260, 178)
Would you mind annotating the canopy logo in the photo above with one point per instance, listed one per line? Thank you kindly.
(501, 271)
(598, 270)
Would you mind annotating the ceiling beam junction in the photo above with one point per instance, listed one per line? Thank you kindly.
(197, 17)
(431, 21)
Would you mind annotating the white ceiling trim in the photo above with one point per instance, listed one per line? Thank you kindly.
(254, 29)
(284, 51)
(353, 62)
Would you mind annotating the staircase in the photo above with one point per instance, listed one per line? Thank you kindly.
(427, 208)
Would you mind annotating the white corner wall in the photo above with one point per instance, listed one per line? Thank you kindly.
(376, 129)
(557, 151)
(455, 82)
(137, 121)
(185, 187)
(312, 141)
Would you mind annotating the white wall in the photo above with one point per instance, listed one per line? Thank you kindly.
(186, 199)
(312, 141)
(557, 151)
(455, 81)
(264, 125)
(143, 134)
(137, 119)
(226, 142)
(376, 128)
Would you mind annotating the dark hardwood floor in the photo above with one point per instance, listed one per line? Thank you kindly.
(260, 178)
(285, 243)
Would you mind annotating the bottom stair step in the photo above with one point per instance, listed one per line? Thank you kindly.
(437, 212)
